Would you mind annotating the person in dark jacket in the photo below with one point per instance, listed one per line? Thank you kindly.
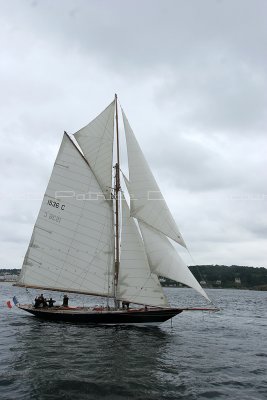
(65, 301)
(51, 302)
(36, 302)
(125, 305)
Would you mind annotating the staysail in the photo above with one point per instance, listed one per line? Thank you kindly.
(72, 245)
(96, 141)
(147, 203)
(165, 261)
(137, 283)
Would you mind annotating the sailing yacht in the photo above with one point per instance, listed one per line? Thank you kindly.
(87, 239)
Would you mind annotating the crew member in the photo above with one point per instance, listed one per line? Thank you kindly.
(36, 302)
(125, 305)
(51, 302)
(65, 301)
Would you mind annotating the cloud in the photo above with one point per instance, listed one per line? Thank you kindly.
(192, 80)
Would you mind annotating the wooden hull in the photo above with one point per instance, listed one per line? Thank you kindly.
(151, 316)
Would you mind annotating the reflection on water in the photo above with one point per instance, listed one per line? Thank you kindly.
(79, 360)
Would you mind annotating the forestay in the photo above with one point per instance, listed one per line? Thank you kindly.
(147, 203)
(96, 141)
(137, 283)
(72, 245)
(165, 261)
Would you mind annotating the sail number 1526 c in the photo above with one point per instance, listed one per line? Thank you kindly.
(56, 204)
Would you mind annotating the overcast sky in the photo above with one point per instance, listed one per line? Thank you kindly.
(191, 76)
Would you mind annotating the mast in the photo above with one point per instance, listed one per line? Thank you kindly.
(116, 192)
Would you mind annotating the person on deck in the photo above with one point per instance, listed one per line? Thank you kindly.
(42, 301)
(65, 301)
(36, 302)
(125, 305)
(51, 302)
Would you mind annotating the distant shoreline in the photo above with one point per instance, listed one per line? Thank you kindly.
(209, 276)
(258, 289)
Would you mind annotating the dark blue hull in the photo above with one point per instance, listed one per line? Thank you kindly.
(105, 317)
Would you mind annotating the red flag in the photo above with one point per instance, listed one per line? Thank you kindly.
(8, 303)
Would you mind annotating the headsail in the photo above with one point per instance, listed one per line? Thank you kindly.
(147, 202)
(72, 245)
(96, 141)
(137, 283)
(165, 261)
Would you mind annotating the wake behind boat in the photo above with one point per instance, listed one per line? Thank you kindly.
(88, 240)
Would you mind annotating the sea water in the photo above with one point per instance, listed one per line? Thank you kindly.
(197, 355)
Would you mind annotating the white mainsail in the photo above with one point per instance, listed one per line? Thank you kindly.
(72, 245)
(147, 203)
(137, 283)
(165, 261)
(96, 141)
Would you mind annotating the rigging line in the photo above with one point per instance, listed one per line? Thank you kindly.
(137, 293)
(29, 295)
(198, 270)
(84, 159)
(200, 274)
(111, 111)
